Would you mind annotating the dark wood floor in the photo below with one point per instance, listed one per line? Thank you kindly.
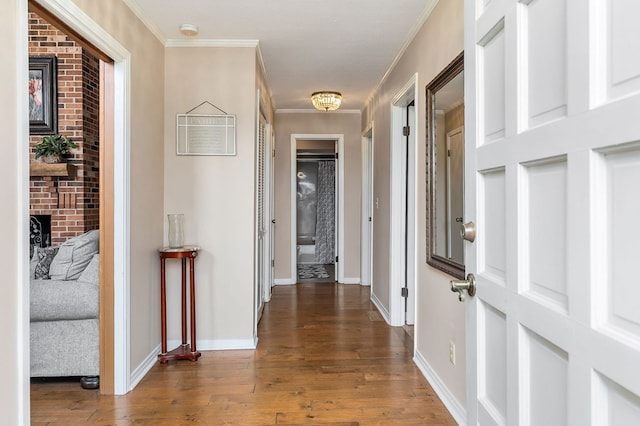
(325, 356)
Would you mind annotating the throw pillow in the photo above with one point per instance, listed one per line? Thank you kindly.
(41, 262)
(74, 255)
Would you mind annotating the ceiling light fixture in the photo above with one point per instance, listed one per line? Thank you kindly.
(326, 101)
(189, 29)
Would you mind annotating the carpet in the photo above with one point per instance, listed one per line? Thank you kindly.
(312, 271)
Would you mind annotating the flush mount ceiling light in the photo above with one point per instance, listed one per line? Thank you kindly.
(326, 101)
(189, 29)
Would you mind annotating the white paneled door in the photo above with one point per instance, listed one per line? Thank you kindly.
(552, 182)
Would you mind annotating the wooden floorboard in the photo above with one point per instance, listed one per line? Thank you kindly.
(324, 357)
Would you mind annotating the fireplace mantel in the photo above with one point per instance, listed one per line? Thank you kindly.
(57, 169)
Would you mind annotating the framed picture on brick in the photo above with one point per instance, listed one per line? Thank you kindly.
(43, 94)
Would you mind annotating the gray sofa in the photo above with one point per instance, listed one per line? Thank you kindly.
(64, 310)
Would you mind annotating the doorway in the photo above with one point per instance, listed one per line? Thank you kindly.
(403, 205)
(315, 210)
(320, 146)
(366, 253)
(113, 184)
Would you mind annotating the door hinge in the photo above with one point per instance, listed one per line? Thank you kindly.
(336, 259)
(369, 218)
(406, 131)
(405, 292)
(336, 155)
(448, 153)
(273, 263)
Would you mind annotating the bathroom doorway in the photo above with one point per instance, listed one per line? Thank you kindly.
(317, 238)
(316, 210)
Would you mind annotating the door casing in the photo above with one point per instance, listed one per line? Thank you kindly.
(402, 220)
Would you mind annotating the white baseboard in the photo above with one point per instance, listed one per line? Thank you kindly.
(219, 344)
(355, 280)
(457, 410)
(141, 370)
(203, 345)
(283, 281)
(381, 308)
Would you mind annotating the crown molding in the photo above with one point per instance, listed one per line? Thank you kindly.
(176, 42)
(315, 111)
(137, 10)
(414, 31)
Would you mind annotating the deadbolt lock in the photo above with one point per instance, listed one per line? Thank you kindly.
(468, 231)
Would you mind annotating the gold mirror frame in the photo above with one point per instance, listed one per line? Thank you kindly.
(443, 263)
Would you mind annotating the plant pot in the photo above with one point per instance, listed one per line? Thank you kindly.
(51, 159)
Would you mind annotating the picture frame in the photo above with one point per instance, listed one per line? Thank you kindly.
(43, 95)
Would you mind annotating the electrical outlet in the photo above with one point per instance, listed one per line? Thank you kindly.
(452, 352)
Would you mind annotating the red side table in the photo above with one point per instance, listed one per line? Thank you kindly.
(184, 351)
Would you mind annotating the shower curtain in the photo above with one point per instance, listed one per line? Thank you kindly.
(326, 212)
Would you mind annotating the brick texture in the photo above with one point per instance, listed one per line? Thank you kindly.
(74, 204)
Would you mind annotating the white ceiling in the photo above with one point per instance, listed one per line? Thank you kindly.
(306, 45)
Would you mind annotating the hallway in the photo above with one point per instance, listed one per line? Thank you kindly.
(325, 356)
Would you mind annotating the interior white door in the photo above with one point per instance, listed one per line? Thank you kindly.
(261, 217)
(410, 217)
(552, 167)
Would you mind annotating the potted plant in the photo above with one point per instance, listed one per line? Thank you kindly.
(52, 147)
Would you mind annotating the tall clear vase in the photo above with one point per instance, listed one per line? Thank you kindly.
(176, 230)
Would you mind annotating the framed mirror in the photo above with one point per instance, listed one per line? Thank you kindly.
(445, 169)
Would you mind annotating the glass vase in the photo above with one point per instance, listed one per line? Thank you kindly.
(176, 230)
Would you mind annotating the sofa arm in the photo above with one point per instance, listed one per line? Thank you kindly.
(56, 300)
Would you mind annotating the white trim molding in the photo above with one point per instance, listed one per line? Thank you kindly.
(218, 344)
(380, 307)
(398, 186)
(143, 368)
(176, 42)
(456, 409)
(315, 111)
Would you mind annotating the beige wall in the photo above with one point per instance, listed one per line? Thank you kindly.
(317, 123)
(215, 193)
(439, 315)
(14, 252)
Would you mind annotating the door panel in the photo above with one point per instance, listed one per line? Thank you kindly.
(546, 22)
(544, 223)
(620, 302)
(623, 68)
(543, 396)
(493, 382)
(552, 174)
(492, 264)
(493, 111)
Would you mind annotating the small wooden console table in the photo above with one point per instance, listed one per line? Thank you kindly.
(184, 351)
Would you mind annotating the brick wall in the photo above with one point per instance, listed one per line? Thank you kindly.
(73, 203)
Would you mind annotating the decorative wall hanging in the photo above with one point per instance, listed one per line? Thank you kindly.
(43, 93)
(205, 134)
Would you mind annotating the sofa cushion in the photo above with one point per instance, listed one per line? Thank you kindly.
(91, 273)
(74, 255)
(41, 262)
(52, 300)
